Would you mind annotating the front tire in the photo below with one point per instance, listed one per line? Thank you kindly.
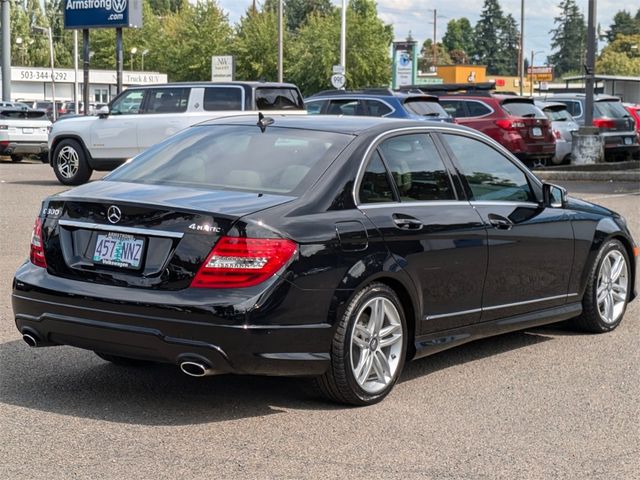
(607, 293)
(368, 349)
(16, 158)
(70, 163)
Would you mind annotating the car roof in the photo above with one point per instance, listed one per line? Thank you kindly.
(371, 93)
(581, 96)
(347, 124)
(250, 84)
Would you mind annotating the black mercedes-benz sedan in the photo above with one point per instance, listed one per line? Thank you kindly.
(327, 247)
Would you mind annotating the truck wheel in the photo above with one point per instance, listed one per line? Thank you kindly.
(70, 163)
(16, 158)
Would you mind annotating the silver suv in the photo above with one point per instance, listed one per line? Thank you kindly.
(143, 116)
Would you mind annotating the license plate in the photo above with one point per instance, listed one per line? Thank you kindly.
(628, 140)
(27, 130)
(118, 250)
(536, 131)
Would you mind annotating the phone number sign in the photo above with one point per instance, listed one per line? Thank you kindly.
(81, 14)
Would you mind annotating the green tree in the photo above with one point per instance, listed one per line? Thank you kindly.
(619, 58)
(509, 36)
(624, 24)
(62, 39)
(459, 37)
(317, 49)
(21, 36)
(256, 45)
(297, 11)
(426, 60)
(568, 39)
(491, 31)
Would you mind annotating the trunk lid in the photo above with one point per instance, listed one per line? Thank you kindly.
(136, 235)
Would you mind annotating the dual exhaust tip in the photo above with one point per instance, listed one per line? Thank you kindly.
(193, 368)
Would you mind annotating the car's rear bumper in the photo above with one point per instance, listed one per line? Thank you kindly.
(171, 327)
(23, 148)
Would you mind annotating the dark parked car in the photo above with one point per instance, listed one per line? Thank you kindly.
(321, 246)
(616, 125)
(377, 102)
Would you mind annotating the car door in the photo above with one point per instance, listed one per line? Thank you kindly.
(530, 246)
(115, 136)
(432, 231)
(163, 115)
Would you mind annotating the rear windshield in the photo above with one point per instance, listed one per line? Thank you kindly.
(278, 98)
(557, 114)
(237, 157)
(21, 114)
(523, 109)
(609, 109)
(425, 108)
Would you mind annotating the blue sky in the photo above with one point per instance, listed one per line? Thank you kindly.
(416, 16)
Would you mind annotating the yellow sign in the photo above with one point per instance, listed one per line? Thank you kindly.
(540, 74)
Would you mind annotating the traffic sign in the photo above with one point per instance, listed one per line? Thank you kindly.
(338, 80)
(338, 69)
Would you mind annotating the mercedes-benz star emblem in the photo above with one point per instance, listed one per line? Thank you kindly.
(114, 214)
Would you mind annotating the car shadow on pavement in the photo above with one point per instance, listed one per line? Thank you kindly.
(75, 382)
(45, 183)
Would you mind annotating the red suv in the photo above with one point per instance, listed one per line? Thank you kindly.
(514, 122)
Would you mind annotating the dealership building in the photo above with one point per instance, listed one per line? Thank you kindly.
(32, 83)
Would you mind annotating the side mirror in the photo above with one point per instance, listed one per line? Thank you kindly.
(103, 112)
(554, 196)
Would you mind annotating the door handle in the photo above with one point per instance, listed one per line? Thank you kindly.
(500, 222)
(406, 222)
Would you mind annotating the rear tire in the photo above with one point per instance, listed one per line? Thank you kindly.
(70, 163)
(16, 158)
(122, 361)
(607, 293)
(368, 349)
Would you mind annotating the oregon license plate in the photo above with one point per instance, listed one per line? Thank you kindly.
(118, 250)
(536, 131)
(27, 130)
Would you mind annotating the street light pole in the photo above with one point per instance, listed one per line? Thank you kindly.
(533, 54)
(5, 55)
(280, 38)
(53, 80)
(144, 52)
(75, 69)
(521, 56)
(343, 37)
(132, 53)
(591, 64)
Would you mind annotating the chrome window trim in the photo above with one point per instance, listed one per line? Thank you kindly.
(115, 228)
(242, 97)
(424, 203)
(488, 203)
(435, 129)
(496, 307)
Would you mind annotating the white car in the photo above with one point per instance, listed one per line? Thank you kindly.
(24, 133)
(142, 116)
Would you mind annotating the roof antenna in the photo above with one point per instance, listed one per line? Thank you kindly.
(264, 122)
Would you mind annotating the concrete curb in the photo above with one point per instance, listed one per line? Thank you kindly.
(606, 175)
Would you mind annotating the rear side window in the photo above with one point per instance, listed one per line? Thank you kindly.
(425, 108)
(375, 186)
(558, 114)
(523, 109)
(455, 108)
(168, 100)
(222, 98)
(478, 109)
(574, 107)
(417, 169)
(377, 109)
(609, 109)
(237, 157)
(490, 175)
(278, 98)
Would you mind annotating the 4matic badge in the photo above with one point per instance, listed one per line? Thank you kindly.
(205, 228)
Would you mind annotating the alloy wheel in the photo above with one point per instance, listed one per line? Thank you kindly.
(613, 282)
(376, 345)
(68, 162)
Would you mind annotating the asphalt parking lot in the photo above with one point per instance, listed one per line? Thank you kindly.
(545, 403)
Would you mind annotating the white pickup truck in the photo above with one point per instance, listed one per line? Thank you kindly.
(23, 133)
(142, 116)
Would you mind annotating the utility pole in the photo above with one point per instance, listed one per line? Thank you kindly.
(76, 100)
(343, 38)
(85, 69)
(280, 39)
(5, 58)
(591, 64)
(119, 60)
(521, 53)
(435, 50)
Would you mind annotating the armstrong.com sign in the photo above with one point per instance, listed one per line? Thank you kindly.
(80, 14)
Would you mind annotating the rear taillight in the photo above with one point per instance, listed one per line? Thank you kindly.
(603, 123)
(557, 134)
(37, 248)
(509, 124)
(243, 262)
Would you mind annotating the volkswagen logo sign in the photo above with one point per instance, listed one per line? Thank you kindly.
(114, 214)
(119, 6)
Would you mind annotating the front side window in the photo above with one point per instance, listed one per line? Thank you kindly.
(375, 186)
(236, 157)
(491, 176)
(168, 100)
(128, 104)
(314, 108)
(346, 106)
(222, 98)
(416, 167)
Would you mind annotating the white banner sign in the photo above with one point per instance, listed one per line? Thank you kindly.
(68, 75)
(222, 68)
